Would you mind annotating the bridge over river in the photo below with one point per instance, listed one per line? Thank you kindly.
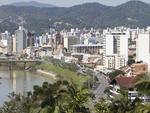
(11, 62)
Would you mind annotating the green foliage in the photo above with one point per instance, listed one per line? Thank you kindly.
(61, 97)
(69, 66)
(64, 73)
(65, 97)
(143, 85)
(102, 107)
(17, 104)
(115, 73)
(121, 104)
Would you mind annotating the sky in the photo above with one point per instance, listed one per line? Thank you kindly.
(67, 3)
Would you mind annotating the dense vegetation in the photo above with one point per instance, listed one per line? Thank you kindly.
(65, 97)
(60, 97)
(121, 104)
(131, 14)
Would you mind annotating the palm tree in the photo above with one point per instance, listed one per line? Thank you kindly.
(78, 98)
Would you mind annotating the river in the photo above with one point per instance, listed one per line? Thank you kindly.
(19, 82)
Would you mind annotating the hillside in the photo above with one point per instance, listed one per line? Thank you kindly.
(132, 14)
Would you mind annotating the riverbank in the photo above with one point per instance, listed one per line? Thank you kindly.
(62, 73)
(48, 69)
(46, 73)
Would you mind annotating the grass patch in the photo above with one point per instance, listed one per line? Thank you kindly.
(66, 74)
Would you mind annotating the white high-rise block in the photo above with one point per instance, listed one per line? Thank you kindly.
(116, 43)
(109, 44)
(124, 46)
(143, 48)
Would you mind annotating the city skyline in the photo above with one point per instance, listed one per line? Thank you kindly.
(69, 3)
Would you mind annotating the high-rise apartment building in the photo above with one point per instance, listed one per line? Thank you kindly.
(143, 47)
(30, 39)
(21, 39)
(116, 44)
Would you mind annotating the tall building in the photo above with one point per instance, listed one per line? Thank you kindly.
(70, 40)
(30, 39)
(6, 41)
(58, 40)
(143, 47)
(116, 43)
(14, 44)
(10, 45)
(21, 39)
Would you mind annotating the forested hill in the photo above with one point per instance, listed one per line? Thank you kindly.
(132, 14)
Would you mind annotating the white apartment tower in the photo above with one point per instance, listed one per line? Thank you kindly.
(143, 47)
(116, 44)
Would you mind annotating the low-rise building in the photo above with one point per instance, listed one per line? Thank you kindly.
(139, 68)
(127, 82)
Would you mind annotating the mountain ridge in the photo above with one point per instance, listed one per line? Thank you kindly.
(32, 3)
(130, 14)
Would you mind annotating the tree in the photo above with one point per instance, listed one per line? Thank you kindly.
(121, 103)
(102, 107)
(138, 107)
(115, 73)
(60, 97)
(66, 97)
(17, 104)
(78, 97)
(143, 85)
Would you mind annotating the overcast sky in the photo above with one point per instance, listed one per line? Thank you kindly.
(71, 2)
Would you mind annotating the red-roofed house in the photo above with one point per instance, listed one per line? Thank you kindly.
(127, 82)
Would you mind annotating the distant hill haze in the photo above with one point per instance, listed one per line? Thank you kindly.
(131, 14)
(32, 3)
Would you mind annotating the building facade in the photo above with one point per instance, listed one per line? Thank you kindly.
(143, 47)
(21, 39)
(115, 46)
